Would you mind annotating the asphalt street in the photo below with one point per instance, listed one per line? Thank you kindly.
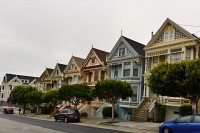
(14, 124)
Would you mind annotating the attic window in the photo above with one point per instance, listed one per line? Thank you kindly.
(93, 60)
(122, 51)
(169, 33)
(72, 66)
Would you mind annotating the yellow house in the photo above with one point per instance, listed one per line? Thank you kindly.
(171, 43)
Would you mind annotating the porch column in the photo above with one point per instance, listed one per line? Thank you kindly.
(131, 71)
(122, 69)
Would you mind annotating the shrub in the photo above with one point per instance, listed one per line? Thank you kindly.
(46, 109)
(107, 112)
(160, 112)
(185, 110)
(33, 110)
(84, 114)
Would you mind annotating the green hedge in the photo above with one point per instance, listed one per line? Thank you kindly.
(185, 110)
(107, 112)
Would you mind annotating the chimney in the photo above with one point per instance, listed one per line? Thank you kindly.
(152, 34)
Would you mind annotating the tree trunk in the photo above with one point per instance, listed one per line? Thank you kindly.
(113, 108)
(24, 108)
(194, 107)
(37, 109)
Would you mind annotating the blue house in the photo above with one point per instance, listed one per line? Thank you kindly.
(126, 63)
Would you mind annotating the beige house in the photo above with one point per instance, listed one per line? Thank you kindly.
(44, 82)
(171, 43)
(72, 73)
(57, 76)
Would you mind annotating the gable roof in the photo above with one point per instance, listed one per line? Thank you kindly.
(79, 61)
(138, 47)
(9, 77)
(62, 67)
(101, 54)
(162, 28)
(49, 70)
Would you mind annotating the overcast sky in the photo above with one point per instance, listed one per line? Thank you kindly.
(35, 34)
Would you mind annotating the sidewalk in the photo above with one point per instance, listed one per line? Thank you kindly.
(130, 126)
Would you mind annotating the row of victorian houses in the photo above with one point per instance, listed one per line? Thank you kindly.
(128, 61)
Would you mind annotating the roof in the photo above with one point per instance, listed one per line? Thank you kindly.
(62, 67)
(138, 47)
(79, 61)
(9, 77)
(49, 70)
(101, 54)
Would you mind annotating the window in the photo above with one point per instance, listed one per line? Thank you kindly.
(75, 79)
(90, 77)
(169, 33)
(96, 75)
(135, 69)
(57, 72)
(93, 60)
(102, 75)
(155, 60)
(135, 91)
(185, 119)
(127, 69)
(188, 54)
(175, 57)
(3, 87)
(2, 95)
(10, 87)
(162, 58)
(72, 66)
(121, 51)
(197, 119)
(115, 71)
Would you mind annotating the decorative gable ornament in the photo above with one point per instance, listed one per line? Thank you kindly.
(169, 31)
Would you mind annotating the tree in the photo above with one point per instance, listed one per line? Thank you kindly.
(177, 79)
(51, 97)
(18, 95)
(34, 98)
(111, 91)
(75, 93)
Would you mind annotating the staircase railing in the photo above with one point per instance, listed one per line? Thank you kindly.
(141, 104)
(100, 109)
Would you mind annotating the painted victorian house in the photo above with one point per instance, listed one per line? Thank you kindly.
(73, 70)
(44, 82)
(11, 80)
(57, 76)
(94, 68)
(126, 63)
(171, 43)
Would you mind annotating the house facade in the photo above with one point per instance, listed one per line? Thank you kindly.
(171, 44)
(57, 76)
(44, 83)
(94, 69)
(12, 80)
(126, 63)
(72, 72)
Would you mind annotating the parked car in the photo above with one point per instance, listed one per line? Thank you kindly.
(8, 110)
(67, 115)
(184, 124)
